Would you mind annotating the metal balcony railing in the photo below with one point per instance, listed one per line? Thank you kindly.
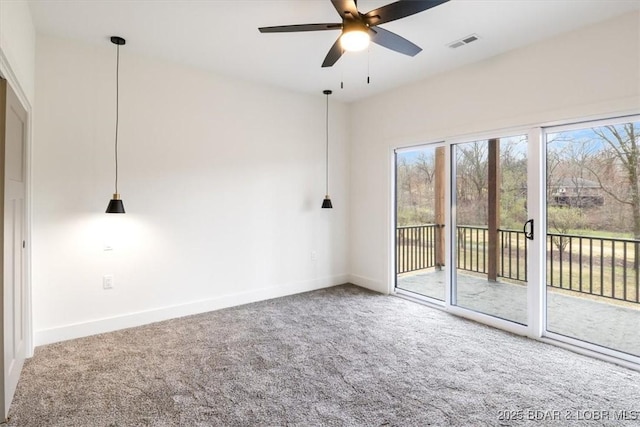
(601, 266)
(416, 248)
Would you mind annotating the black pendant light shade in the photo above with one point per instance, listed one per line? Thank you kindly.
(115, 204)
(326, 203)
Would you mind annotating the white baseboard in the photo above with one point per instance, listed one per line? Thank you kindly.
(371, 284)
(99, 326)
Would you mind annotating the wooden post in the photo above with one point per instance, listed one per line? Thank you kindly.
(439, 207)
(493, 206)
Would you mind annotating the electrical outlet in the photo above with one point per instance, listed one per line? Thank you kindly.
(107, 281)
(314, 256)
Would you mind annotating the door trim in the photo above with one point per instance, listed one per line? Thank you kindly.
(6, 72)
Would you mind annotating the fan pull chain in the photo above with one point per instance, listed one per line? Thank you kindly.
(342, 73)
(368, 63)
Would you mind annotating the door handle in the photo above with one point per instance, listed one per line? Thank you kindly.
(528, 234)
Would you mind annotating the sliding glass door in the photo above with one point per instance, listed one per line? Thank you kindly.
(537, 231)
(420, 217)
(490, 213)
(593, 234)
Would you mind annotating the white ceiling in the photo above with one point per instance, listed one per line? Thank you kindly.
(222, 35)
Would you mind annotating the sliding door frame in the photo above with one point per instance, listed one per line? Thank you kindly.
(533, 328)
(536, 210)
(569, 342)
(536, 204)
(394, 215)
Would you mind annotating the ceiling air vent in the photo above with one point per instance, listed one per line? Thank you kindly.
(463, 41)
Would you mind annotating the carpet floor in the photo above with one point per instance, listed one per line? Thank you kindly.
(341, 356)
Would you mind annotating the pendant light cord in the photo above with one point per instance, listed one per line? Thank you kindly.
(327, 154)
(117, 109)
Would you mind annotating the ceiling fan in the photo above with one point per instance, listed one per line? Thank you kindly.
(360, 28)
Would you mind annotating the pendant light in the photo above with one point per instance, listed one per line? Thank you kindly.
(326, 203)
(115, 204)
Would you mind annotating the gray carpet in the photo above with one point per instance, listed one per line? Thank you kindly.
(337, 357)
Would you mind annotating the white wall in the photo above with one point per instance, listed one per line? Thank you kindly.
(222, 182)
(222, 179)
(17, 46)
(593, 71)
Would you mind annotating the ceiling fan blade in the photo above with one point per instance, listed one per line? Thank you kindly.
(346, 8)
(301, 27)
(393, 41)
(334, 54)
(399, 9)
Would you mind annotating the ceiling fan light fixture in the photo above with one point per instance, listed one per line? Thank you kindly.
(355, 41)
(355, 38)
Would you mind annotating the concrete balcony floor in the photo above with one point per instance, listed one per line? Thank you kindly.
(600, 321)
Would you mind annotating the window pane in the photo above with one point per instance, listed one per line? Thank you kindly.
(490, 211)
(420, 243)
(593, 241)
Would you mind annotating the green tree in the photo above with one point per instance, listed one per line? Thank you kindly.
(624, 152)
(561, 221)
